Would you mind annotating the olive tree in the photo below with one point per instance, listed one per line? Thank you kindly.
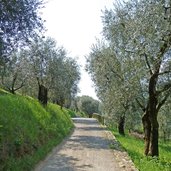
(40, 54)
(88, 105)
(138, 39)
(112, 80)
(54, 72)
(144, 35)
(66, 77)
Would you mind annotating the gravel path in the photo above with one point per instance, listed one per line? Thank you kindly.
(87, 149)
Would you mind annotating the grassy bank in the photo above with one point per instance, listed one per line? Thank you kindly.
(135, 148)
(29, 131)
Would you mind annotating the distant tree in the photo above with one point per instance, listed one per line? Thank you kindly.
(88, 105)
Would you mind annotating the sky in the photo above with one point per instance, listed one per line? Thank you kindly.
(75, 24)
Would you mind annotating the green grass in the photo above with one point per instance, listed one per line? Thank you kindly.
(81, 114)
(29, 131)
(135, 148)
(71, 113)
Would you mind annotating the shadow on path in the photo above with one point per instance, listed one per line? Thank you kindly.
(94, 142)
(87, 149)
(62, 162)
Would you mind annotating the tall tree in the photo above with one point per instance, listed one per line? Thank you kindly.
(139, 34)
(88, 105)
(55, 72)
(41, 53)
(112, 79)
(66, 77)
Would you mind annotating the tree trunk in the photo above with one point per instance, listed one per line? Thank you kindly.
(12, 90)
(153, 101)
(121, 125)
(62, 102)
(147, 131)
(154, 151)
(42, 95)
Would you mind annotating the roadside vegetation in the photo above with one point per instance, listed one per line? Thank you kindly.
(35, 72)
(131, 69)
(134, 146)
(28, 131)
(85, 106)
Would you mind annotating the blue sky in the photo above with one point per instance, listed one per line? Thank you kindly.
(75, 24)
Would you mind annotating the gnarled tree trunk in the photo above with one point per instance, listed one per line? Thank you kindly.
(42, 95)
(151, 133)
(147, 131)
(154, 151)
(153, 102)
(121, 125)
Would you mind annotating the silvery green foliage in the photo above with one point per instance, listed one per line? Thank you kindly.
(19, 20)
(51, 67)
(66, 77)
(15, 72)
(138, 32)
(138, 36)
(88, 105)
(40, 54)
(111, 81)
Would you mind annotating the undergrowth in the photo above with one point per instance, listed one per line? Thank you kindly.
(28, 131)
(135, 148)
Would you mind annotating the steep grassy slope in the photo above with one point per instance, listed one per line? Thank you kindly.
(28, 131)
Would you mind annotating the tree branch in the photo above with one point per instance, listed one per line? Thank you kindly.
(148, 64)
(114, 72)
(165, 88)
(164, 72)
(162, 102)
(22, 84)
(141, 106)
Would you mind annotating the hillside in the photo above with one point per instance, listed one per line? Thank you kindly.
(28, 131)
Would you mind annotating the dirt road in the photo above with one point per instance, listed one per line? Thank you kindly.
(87, 149)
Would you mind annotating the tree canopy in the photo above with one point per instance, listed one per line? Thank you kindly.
(88, 105)
(19, 20)
(131, 66)
(29, 62)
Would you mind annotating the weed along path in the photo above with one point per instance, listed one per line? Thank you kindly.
(87, 149)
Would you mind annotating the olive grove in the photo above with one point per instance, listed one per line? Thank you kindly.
(31, 63)
(131, 66)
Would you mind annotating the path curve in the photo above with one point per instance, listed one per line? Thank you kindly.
(87, 149)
